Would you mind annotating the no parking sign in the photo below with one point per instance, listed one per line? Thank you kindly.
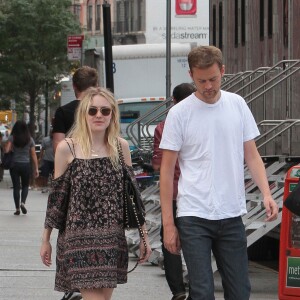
(75, 47)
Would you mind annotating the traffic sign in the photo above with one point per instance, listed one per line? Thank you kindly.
(75, 47)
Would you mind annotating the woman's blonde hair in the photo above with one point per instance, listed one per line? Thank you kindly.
(81, 132)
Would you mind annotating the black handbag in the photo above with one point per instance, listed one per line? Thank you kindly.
(133, 208)
(7, 160)
(292, 201)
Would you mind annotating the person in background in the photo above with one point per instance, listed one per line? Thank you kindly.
(92, 252)
(83, 78)
(172, 262)
(211, 133)
(23, 146)
(46, 160)
(5, 137)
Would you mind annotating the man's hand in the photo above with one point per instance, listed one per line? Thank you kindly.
(171, 239)
(271, 209)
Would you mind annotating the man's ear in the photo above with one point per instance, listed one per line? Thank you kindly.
(222, 70)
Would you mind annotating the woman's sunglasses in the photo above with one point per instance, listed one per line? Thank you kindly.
(105, 111)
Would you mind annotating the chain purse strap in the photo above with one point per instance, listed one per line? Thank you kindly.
(141, 231)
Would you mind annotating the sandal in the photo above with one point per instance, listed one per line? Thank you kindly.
(17, 212)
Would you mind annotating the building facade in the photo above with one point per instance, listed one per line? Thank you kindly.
(127, 21)
(255, 33)
(251, 33)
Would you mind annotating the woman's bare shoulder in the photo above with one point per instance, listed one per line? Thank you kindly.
(123, 143)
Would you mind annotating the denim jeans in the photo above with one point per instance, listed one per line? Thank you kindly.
(226, 239)
(173, 265)
(20, 171)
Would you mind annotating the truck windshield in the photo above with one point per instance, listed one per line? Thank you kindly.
(133, 110)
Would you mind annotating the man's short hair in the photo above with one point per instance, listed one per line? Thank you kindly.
(183, 90)
(85, 77)
(203, 57)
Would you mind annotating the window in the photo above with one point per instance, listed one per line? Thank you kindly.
(243, 23)
(133, 110)
(132, 27)
(139, 16)
(98, 16)
(214, 26)
(270, 18)
(126, 16)
(89, 16)
(286, 23)
(118, 19)
(77, 11)
(236, 23)
(129, 16)
(261, 19)
(220, 25)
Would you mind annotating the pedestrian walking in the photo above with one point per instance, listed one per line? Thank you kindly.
(172, 262)
(23, 147)
(83, 78)
(211, 133)
(46, 161)
(86, 203)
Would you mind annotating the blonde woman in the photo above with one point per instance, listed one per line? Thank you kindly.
(92, 254)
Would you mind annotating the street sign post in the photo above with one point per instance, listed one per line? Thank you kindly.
(75, 47)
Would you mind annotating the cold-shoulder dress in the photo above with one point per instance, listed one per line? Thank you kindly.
(91, 246)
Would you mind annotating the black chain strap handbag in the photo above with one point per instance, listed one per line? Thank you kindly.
(133, 207)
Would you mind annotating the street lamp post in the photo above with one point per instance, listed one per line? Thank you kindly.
(108, 47)
(168, 50)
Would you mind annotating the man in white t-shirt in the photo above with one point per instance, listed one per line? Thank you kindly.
(211, 133)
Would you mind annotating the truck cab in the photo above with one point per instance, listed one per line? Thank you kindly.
(142, 132)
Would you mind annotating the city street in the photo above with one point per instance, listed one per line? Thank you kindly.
(24, 277)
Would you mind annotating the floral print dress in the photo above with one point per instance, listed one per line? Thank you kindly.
(91, 246)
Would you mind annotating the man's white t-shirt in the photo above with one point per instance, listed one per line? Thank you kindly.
(210, 141)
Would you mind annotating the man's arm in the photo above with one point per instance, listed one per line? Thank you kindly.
(171, 237)
(57, 137)
(258, 173)
(157, 153)
(59, 131)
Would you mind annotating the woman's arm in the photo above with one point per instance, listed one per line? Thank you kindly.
(46, 248)
(63, 157)
(7, 146)
(126, 152)
(35, 161)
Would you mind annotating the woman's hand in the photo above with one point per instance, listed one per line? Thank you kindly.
(144, 253)
(45, 252)
(36, 173)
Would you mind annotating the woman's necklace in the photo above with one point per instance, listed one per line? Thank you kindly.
(95, 153)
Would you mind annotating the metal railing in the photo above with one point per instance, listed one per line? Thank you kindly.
(252, 86)
(143, 128)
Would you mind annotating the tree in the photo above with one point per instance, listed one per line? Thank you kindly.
(33, 47)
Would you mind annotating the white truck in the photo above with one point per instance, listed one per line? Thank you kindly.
(140, 77)
(140, 70)
(67, 91)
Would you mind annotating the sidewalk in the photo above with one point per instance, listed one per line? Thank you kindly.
(24, 277)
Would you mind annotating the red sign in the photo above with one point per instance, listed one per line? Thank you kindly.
(75, 41)
(75, 46)
(186, 7)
